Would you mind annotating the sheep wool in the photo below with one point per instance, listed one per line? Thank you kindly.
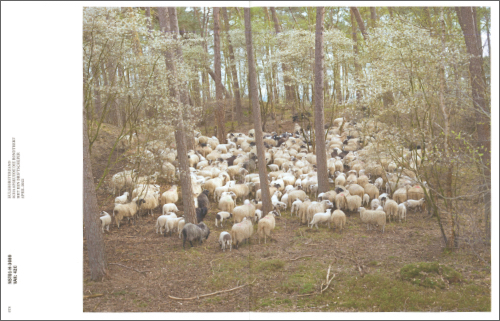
(225, 241)
(105, 220)
(221, 216)
(241, 231)
(266, 225)
(338, 219)
(192, 232)
(372, 217)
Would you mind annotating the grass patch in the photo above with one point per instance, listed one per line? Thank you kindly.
(431, 275)
(272, 265)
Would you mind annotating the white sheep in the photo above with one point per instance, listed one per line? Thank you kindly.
(151, 202)
(402, 212)
(245, 210)
(415, 204)
(221, 216)
(366, 199)
(161, 222)
(172, 224)
(170, 196)
(321, 218)
(241, 231)
(170, 207)
(225, 241)
(295, 207)
(126, 210)
(391, 208)
(105, 220)
(122, 199)
(266, 225)
(180, 226)
(374, 204)
(372, 218)
(338, 219)
(226, 203)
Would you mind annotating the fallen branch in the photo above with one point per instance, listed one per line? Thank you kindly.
(128, 267)
(300, 257)
(323, 289)
(92, 296)
(210, 294)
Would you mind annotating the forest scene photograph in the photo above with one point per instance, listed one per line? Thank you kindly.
(355, 140)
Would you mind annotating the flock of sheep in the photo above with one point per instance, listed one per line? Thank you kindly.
(376, 188)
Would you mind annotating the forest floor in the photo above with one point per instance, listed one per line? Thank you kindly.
(146, 268)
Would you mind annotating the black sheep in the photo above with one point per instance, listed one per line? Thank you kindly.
(203, 199)
(201, 212)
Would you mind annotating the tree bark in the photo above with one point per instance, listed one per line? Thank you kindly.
(359, 20)
(357, 67)
(319, 115)
(264, 185)
(236, 85)
(373, 15)
(185, 174)
(219, 112)
(482, 111)
(92, 224)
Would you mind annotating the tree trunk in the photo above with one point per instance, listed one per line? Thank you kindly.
(92, 224)
(482, 115)
(288, 91)
(359, 20)
(357, 67)
(236, 85)
(373, 15)
(319, 115)
(219, 112)
(259, 142)
(185, 174)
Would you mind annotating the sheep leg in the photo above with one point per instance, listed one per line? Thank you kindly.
(108, 227)
(191, 243)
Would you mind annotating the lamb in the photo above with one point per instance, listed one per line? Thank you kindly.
(170, 196)
(295, 207)
(126, 210)
(258, 215)
(266, 225)
(366, 199)
(415, 204)
(161, 222)
(317, 207)
(241, 231)
(170, 207)
(122, 199)
(374, 204)
(225, 241)
(221, 216)
(172, 224)
(321, 218)
(105, 220)
(391, 208)
(192, 232)
(245, 210)
(372, 218)
(180, 226)
(402, 212)
(338, 219)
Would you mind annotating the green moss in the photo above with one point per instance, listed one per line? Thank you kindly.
(431, 275)
(272, 265)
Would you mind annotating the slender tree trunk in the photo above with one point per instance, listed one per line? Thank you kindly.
(483, 112)
(373, 16)
(219, 112)
(236, 85)
(319, 114)
(92, 224)
(357, 67)
(185, 174)
(449, 172)
(390, 12)
(359, 20)
(264, 185)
